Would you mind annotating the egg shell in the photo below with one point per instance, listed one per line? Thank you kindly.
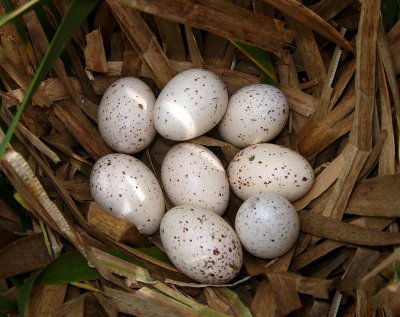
(192, 174)
(125, 116)
(255, 114)
(128, 189)
(266, 167)
(201, 244)
(192, 103)
(267, 225)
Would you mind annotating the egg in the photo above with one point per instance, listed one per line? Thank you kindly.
(192, 174)
(192, 103)
(255, 114)
(266, 167)
(201, 244)
(125, 116)
(128, 189)
(267, 225)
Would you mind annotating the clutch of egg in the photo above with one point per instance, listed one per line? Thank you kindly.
(266, 176)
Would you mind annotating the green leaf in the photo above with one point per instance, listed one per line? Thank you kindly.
(24, 291)
(76, 15)
(7, 305)
(156, 253)
(261, 58)
(67, 268)
(152, 251)
(389, 9)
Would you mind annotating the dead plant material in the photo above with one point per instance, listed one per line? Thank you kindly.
(23, 255)
(308, 18)
(375, 197)
(80, 127)
(144, 42)
(117, 229)
(344, 118)
(95, 55)
(337, 230)
(221, 18)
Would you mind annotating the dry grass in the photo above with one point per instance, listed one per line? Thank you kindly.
(345, 117)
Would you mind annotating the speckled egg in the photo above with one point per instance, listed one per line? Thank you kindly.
(192, 174)
(128, 189)
(266, 167)
(255, 114)
(125, 116)
(201, 244)
(192, 103)
(267, 225)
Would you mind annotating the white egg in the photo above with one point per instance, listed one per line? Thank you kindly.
(267, 225)
(128, 189)
(201, 244)
(192, 103)
(192, 174)
(266, 167)
(256, 114)
(125, 116)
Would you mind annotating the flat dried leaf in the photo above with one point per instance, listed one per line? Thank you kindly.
(95, 56)
(228, 149)
(309, 53)
(265, 303)
(44, 300)
(338, 199)
(300, 13)
(361, 135)
(322, 182)
(117, 229)
(376, 197)
(221, 18)
(23, 255)
(287, 285)
(144, 41)
(328, 9)
(171, 39)
(226, 301)
(361, 263)
(81, 129)
(147, 302)
(337, 230)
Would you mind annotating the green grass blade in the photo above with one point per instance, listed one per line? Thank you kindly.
(21, 10)
(76, 15)
(389, 10)
(261, 58)
(23, 293)
(155, 253)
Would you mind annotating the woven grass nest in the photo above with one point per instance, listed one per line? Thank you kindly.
(337, 62)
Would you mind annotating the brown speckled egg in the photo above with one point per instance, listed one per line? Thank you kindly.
(265, 168)
(201, 244)
(125, 116)
(267, 225)
(192, 103)
(256, 114)
(192, 174)
(128, 189)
